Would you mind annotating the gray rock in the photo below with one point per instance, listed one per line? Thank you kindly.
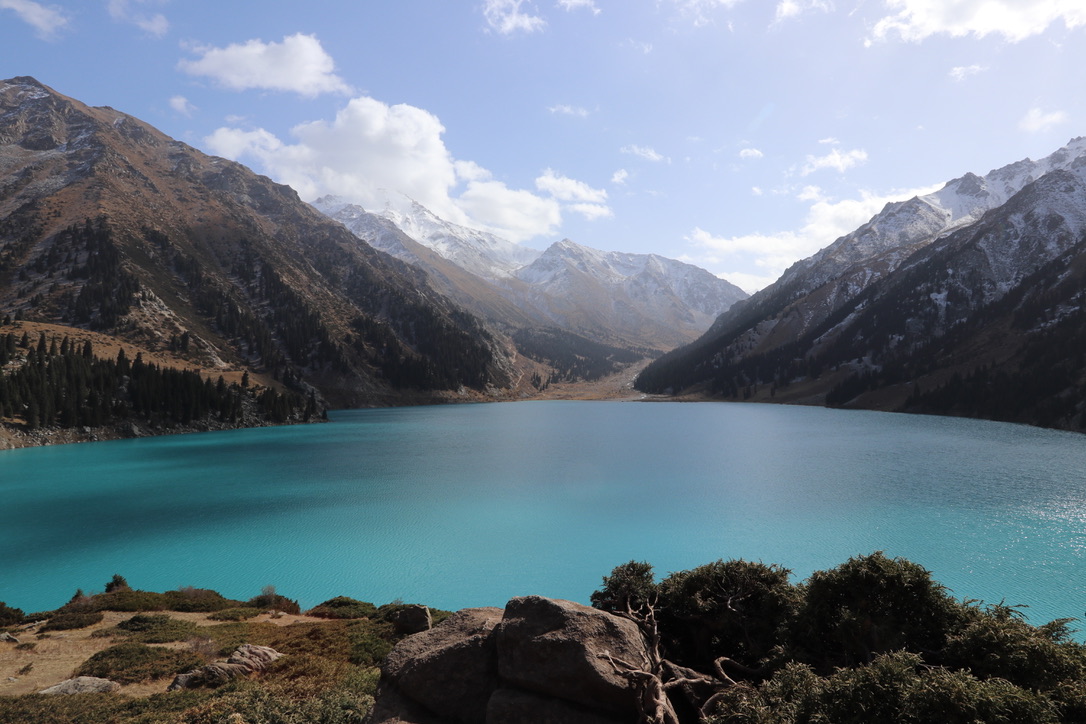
(451, 669)
(82, 685)
(412, 619)
(556, 648)
(513, 706)
(5, 636)
(247, 659)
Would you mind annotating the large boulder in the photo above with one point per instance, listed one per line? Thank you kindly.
(82, 685)
(513, 706)
(451, 670)
(411, 619)
(540, 660)
(560, 649)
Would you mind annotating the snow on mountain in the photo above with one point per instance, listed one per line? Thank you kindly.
(480, 252)
(965, 301)
(902, 227)
(644, 278)
(642, 300)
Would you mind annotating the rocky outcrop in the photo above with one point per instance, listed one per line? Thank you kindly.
(539, 660)
(248, 659)
(82, 685)
(411, 619)
(8, 638)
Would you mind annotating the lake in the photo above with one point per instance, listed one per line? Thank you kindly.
(469, 505)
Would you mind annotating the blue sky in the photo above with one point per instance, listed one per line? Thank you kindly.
(740, 135)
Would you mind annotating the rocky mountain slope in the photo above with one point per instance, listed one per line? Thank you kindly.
(107, 224)
(958, 302)
(640, 301)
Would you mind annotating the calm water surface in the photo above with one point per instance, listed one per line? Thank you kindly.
(470, 505)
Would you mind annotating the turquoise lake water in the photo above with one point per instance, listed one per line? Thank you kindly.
(470, 505)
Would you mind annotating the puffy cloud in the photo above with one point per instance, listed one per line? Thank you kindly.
(564, 188)
(826, 221)
(515, 214)
(750, 153)
(567, 110)
(506, 16)
(182, 105)
(570, 5)
(155, 24)
(835, 160)
(297, 64)
(372, 148)
(620, 177)
(580, 197)
(1013, 19)
(1037, 120)
(46, 20)
(645, 152)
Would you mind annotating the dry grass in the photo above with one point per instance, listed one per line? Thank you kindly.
(56, 657)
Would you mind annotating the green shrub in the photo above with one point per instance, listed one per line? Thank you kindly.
(370, 641)
(871, 605)
(730, 608)
(343, 607)
(70, 621)
(132, 662)
(269, 600)
(10, 616)
(198, 600)
(157, 628)
(242, 613)
(127, 600)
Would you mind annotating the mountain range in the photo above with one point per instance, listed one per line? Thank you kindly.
(639, 301)
(108, 224)
(111, 230)
(966, 301)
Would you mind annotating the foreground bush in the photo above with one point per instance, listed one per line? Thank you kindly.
(875, 639)
(70, 621)
(344, 607)
(131, 663)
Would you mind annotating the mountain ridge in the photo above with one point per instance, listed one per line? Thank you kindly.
(892, 325)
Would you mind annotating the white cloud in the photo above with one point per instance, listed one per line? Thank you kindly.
(834, 160)
(564, 188)
(46, 20)
(567, 110)
(619, 178)
(297, 64)
(751, 153)
(580, 197)
(757, 191)
(811, 193)
(829, 141)
(649, 154)
(506, 16)
(771, 254)
(1013, 19)
(570, 5)
(515, 214)
(155, 24)
(371, 148)
(1037, 120)
(961, 72)
(788, 9)
(592, 211)
(182, 105)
